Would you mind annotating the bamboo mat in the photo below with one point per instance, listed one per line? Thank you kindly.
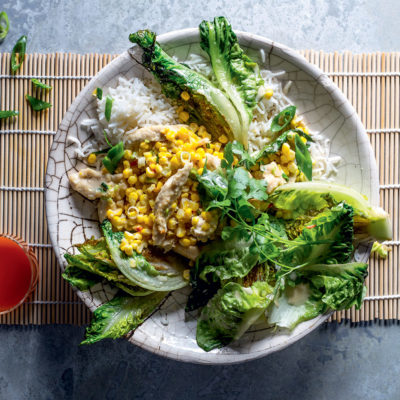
(370, 81)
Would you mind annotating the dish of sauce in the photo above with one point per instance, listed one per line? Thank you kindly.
(15, 274)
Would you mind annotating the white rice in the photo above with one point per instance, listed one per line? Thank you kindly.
(138, 103)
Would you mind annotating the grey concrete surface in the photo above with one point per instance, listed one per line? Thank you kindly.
(104, 25)
(336, 361)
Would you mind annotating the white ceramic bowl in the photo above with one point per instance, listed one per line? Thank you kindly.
(73, 219)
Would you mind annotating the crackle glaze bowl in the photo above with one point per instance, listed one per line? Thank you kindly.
(72, 219)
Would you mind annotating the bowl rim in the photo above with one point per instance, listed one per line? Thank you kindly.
(190, 36)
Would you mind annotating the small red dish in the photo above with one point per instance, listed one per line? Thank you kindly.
(19, 272)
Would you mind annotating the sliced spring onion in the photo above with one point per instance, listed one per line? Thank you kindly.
(283, 119)
(106, 138)
(4, 25)
(18, 51)
(107, 111)
(303, 157)
(113, 157)
(39, 84)
(8, 114)
(99, 93)
(37, 104)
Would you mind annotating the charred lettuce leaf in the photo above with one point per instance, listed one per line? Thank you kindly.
(229, 314)
(207, 104)
(237, 74)
(138, 270)
(320, 288)
(120, 316)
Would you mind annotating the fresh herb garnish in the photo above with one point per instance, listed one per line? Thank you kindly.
(303, 157)
(18, 51)
(285, 177)
(106, 138)
(41, 85)
(107, 111)
(37, 104)
(113, 157)
(283, 119)
(99, 93)
(8, 114)
(4, 25)
(104, 187)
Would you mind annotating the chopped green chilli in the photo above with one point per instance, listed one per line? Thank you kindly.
(303, 157)
(107, 111)
(113, 157)
(8, 114)
(37, 104)
(41, 85)
(99, 93)
(283, 119)
(18, 53)
(4, 25)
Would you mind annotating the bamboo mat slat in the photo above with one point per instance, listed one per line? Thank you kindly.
(370, 81)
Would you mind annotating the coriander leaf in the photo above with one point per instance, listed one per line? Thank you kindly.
(303, 158)
(37, 104)
(213, 185)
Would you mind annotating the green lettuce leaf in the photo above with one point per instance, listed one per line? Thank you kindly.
(229, 314)
(138, 270)
(207, 104)
(120, 316)
(322, 287)
(80, 278)
(301, 197)
(328, 239)
(237, 75)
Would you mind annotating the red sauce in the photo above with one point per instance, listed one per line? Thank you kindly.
(15, 274)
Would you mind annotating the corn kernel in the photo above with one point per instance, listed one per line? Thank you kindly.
(185, 242)
(194, 127)
(200, 171)
(184, 116)
(206, 215)
(158, 169)
(186, 274)
(158, 145)
(144, 146)
(188, 212)
(284, 159)
(303, 139)
(195, 221)
(205, 227)
(185, 96)
(291, 156)
(180, 214)
(285, 149)
(158, 187)
(268, 93)
(128, 250)
(137, 236)
(180, 232)
(223, 139)
(140, 219)
(92, 158)
(174, 205)
(146, 232)
(127, 154)
(150, 173)
(172, 223)
(114, 213)
(193, 240)
(132, 180)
